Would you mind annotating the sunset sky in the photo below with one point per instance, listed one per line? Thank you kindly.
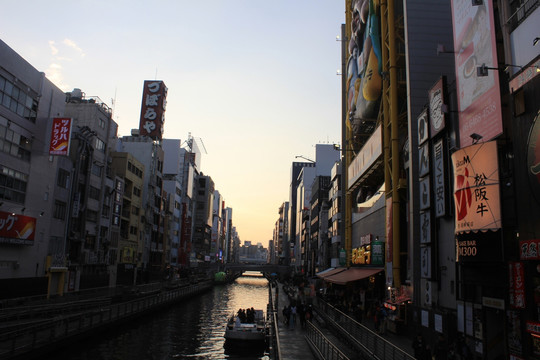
(254, 80)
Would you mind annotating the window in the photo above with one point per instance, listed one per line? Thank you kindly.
(100, 145)
(105, 211)
(23, 103)
(12, 185)
(101, 123)
(91, 215)
(93, 193)
(60, 209)
(97, 169)
(63, 178)
(14, 143)
(137, 191)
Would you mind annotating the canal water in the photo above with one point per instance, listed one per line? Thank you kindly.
(191, 329)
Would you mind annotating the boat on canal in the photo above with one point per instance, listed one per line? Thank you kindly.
(250, 328)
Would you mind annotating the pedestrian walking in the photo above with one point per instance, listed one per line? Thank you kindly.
(292, 320)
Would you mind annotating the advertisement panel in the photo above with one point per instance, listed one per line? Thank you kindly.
(436, 103)
(476, 188)
(439, 189)
(364, 66)
(528, 249)
(17, 229)
(154, 101)
(479, 100)
(516, 272)
(60, 136)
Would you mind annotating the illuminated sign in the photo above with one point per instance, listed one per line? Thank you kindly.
(60, 136)
(154, 102)
(438, 179)
(369, 252)
(17, 229)
(479, 99)
(476, 188)
(528, 249)
(516, 273)
(436, 102)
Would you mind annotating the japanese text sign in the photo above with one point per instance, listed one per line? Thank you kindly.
(154, 102)
(476, 188)
(516, 274)
(17, 229)
(60, 136)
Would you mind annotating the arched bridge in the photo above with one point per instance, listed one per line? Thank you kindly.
(266, 269)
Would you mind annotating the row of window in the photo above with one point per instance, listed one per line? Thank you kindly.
(18, 100)
(14, 144)
(135, 170)
(12, 185)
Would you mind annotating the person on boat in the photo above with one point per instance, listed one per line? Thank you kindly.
(237, 323)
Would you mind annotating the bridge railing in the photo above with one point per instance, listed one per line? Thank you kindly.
(273, 317)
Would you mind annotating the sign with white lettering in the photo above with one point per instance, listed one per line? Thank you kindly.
(439, 189)
(154, 102)
(423, 123)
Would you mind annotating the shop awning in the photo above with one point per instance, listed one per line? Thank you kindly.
(352, 274)
(330, 271)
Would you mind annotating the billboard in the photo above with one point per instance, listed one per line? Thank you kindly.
(154, 102)
(17, 229)
(476, 188)
(60, 136)
(479, 100)
(364, 65)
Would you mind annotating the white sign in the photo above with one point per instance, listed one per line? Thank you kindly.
(425, 261)
(425, 227)
(423, 125)
(423, 160)
(439, 190)
(424, 193)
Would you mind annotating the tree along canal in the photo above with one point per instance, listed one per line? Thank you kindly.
(191, 329)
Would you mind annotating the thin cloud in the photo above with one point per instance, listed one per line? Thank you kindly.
(54, 49)
(54, 74)
(73, 45)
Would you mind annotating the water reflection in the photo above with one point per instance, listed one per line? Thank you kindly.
(192, 329)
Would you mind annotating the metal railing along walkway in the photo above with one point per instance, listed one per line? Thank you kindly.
(321, 345)
(31, 337)
(371, 345)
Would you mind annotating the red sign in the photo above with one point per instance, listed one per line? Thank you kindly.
(154, 101)
(517, 284)
(60, 136)
(533, 327)
(17, 229)
(528, 249)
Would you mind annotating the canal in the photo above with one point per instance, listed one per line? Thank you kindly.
(191, 329)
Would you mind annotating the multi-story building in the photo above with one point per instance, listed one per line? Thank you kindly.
(334, 216)
(150, 154)
(217, 238)
(229, 235)
(89, 215)
(202, 220)
(280, 234)
(293, 241)
(128, 215)
(175, 186)
(34, 196)
(319, 244)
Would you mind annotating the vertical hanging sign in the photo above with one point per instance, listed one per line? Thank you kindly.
(60, 136)
(154, 102)
(438, 179)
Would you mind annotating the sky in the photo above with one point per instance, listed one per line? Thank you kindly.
(255, 81)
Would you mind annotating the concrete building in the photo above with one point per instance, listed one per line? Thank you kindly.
(128, 215)
(150, 154)
(202, 220)
(33, 195)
